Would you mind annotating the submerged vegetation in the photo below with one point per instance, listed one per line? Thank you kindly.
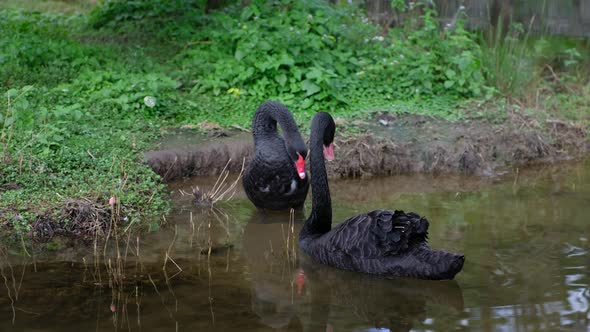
(84, 94)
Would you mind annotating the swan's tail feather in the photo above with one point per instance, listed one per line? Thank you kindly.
(435, 264)
(446, 265)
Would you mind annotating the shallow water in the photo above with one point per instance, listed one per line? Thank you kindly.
(526, 239)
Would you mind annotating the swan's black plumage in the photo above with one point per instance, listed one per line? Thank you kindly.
(271, 180)
(382, 242)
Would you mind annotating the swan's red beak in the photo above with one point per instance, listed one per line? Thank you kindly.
(300, 280)
(300, 164)
(329, 152)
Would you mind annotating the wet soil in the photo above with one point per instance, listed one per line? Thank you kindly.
(391, 145)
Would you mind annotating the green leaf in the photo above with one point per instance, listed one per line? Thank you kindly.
(239, 55)
(249, 11)
(321, 96)
(265, 46)
(296, 73)
(281, 79)
(310, 88)
(450, 73)
(12, 93)
(286, 60)
(449, 84)
(314, 73)
(307, 102)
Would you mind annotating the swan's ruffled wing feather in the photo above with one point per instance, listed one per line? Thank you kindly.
(280, 182)
(378, 233)
(274, 184)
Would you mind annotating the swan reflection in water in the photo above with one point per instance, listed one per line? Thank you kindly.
(268, 246)
(293, 293)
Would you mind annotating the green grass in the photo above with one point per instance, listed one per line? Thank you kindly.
(73, 121)
(84, 90)
(54, 6)
(545, 77)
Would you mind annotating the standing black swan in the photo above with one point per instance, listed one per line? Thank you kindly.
(382, 242)
(276, 178)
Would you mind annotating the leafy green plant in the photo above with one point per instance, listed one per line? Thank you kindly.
(280, 50)
(113, 11)
(326, 58)
(428, 61)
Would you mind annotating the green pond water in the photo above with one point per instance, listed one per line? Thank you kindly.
(526, 240)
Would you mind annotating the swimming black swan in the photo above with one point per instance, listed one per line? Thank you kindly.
(276, 178)
(382, 242)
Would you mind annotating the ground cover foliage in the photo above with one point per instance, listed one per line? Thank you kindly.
(84, 93)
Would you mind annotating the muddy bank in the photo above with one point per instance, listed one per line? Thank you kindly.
(399, 145)
(206, 157)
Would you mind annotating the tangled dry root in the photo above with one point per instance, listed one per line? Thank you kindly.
(80, 219)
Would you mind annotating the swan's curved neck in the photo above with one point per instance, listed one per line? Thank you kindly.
(320, 220)
(265, 122)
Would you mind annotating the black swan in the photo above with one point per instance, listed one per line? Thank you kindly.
(275, 178)
(382, 242)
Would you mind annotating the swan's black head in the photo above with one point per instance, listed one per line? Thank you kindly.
(323, 122)
(298, 152)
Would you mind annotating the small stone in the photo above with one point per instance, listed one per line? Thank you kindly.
(149, 101)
